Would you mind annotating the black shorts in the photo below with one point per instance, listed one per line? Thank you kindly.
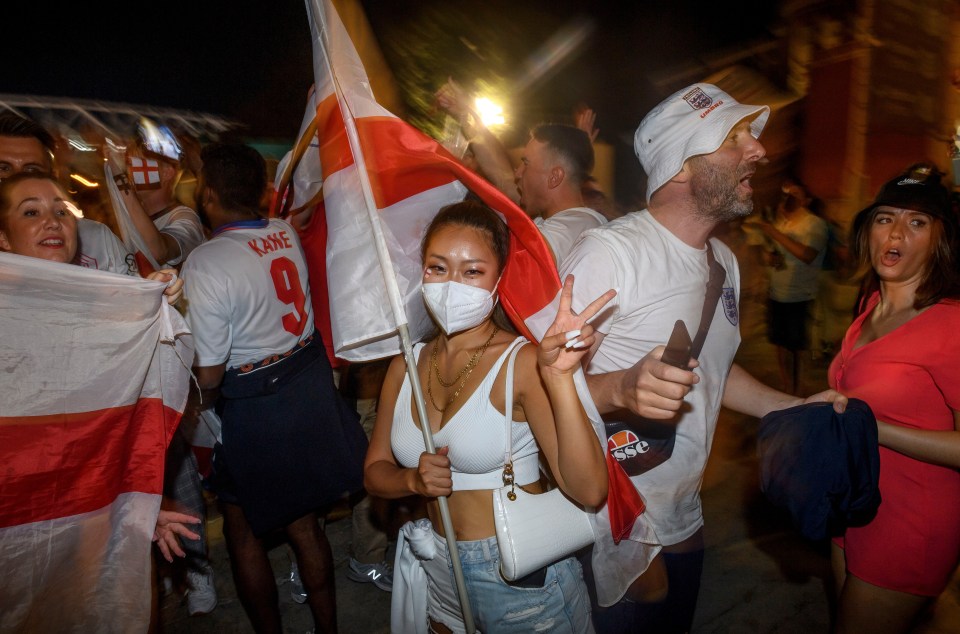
(673, 615)
(787, 324)
(291, 445)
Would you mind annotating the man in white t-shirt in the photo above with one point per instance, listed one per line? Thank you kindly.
(699, 149)
(147, 187)
(289, 444)
(555, 162)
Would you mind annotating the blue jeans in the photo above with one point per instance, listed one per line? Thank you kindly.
(562, 605)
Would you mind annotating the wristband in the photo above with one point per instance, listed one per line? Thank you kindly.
(122, 182)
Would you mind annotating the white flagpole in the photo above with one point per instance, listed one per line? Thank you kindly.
(386, 267)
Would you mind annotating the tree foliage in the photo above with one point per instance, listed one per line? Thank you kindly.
(426, 42)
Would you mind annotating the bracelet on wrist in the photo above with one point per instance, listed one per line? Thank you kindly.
(122, 181)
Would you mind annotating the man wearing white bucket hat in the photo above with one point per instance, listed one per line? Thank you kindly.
(699, 148)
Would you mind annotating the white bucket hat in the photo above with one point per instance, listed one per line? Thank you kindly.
(688, 123)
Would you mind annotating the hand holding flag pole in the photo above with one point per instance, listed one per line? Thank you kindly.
(378, 183)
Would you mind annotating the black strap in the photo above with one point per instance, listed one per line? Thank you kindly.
(714, 289)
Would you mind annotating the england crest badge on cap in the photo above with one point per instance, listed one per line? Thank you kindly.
(698, 99)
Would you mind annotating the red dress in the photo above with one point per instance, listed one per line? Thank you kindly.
(909, 377)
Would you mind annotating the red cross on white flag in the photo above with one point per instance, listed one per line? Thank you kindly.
(146, 172)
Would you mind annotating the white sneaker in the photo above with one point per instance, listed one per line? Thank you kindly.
(202, 595)
(380, 575)
(297, 592)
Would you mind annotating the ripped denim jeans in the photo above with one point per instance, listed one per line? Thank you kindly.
(562, 605)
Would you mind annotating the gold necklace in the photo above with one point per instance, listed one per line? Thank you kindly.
(474, 359)
(464, 373)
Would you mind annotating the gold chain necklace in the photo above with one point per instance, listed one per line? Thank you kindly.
(474, 359)
(464, 373)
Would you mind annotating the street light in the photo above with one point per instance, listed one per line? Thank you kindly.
(490, 112)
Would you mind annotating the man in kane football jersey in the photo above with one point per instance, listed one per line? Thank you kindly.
(289, 446)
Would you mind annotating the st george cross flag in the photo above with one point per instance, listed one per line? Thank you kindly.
(97, 373)
(412, 177)
(145, 172)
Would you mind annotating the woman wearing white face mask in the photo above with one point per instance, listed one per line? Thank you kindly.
(463, 372)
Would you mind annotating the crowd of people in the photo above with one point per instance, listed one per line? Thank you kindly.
(290, 445)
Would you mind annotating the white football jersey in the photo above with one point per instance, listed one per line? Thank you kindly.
(247, 292)
(183, 224)
(99, 248)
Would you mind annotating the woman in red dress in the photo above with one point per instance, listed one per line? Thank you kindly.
(900, 355)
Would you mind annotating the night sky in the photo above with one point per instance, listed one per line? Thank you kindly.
(233, 59)
(251, 61)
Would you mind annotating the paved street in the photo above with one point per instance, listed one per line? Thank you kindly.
(361, 607)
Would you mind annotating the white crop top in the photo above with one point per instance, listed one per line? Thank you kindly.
(476, 437)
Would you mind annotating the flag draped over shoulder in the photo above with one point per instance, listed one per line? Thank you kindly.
(411, 177)
(97, 374)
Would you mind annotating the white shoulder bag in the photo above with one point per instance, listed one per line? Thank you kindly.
(533, 530)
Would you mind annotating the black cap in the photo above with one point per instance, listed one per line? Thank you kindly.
(919, 188)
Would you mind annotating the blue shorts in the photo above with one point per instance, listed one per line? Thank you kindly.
(560, 605)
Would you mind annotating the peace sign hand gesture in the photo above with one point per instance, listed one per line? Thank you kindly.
(570, 336)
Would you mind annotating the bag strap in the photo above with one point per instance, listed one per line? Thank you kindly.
(508, 404)
(508, 422)
(714, 290)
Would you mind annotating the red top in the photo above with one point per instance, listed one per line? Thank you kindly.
(909, 377)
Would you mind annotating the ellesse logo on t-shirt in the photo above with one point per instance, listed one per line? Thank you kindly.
(625, 444)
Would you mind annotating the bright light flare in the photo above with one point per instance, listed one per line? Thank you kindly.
(490, 113)
(83, 181)
(79, 144)
(552, 54)
(73, 209)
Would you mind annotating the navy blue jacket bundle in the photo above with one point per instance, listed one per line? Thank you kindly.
(820, 466)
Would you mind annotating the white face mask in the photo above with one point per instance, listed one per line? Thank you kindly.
(457, 306)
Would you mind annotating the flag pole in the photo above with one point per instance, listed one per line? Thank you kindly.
(279, 209)
(393, 292)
